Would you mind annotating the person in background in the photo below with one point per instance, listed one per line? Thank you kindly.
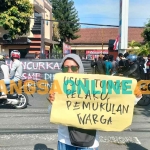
(121, 64)
(16, 70)
(141, 62)
(108, 66)
(133, 70)
(126, 61)
(37, 55)
(147, 67)
(114, 64)
(4, 69)
(72, 63)
(4, 73)
(99, 65)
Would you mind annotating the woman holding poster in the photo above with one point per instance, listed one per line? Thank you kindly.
(71, 138)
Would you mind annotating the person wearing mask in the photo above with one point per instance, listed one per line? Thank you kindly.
(16, 70)
(72, 63)
(133, 70)
(4, 73)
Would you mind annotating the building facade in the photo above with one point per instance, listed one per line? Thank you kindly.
(95, 41)
(39, 39)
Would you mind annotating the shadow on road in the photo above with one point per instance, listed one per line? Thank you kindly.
(6, 107)
(134, 146)
(145, 110)
(41, 147)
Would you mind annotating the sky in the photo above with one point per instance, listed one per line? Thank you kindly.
(106, 12)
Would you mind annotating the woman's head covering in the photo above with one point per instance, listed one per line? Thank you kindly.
(77, 59)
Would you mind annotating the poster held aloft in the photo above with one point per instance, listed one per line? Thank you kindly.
(90, 101)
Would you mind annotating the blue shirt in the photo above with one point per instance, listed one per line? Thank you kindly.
(108, 66)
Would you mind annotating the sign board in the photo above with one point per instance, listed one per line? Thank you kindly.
(92, 101)
(66, 49)
(96, 52)
(44, 69)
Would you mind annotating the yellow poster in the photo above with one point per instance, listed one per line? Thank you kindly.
(92, 101)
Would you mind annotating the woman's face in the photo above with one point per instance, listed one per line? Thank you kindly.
(70, 66)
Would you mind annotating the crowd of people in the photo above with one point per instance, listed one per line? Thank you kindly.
(127, 65)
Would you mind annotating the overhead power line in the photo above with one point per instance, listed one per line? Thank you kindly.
(87, 23)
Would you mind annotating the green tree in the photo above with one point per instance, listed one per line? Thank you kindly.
(56, 35)
(133, 47)
(144, 49)
(146, 32)
(134, 44)
(65, 12)
(15, 16)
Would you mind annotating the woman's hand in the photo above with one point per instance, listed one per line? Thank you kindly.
(137, 92)
(51, 97)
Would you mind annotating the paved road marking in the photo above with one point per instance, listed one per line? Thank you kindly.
(119, 140)
(138, 142)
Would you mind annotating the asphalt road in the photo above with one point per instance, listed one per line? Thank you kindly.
(30, 129)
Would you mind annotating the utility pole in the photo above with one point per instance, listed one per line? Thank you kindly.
(42, 50)
(123, 26)
(102, 40)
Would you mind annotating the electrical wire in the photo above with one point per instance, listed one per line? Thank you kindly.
(87, 23)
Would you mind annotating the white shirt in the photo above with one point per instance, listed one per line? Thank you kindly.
(63, 134)
(145, 70)
(5, 70)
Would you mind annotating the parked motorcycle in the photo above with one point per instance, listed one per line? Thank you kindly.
(19, 101)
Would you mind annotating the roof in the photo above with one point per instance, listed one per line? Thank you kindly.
(94, 35)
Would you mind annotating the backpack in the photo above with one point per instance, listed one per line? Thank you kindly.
(81, 137)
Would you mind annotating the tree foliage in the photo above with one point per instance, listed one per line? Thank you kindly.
(134, 44)
(146, 32)
(65, 12)
(138, 49)
(15, 16)
(56, 35)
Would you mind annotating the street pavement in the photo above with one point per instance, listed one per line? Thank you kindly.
(30, 129)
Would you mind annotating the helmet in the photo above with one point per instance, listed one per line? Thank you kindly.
(132, 58)
(15, 54)
(2, 58)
